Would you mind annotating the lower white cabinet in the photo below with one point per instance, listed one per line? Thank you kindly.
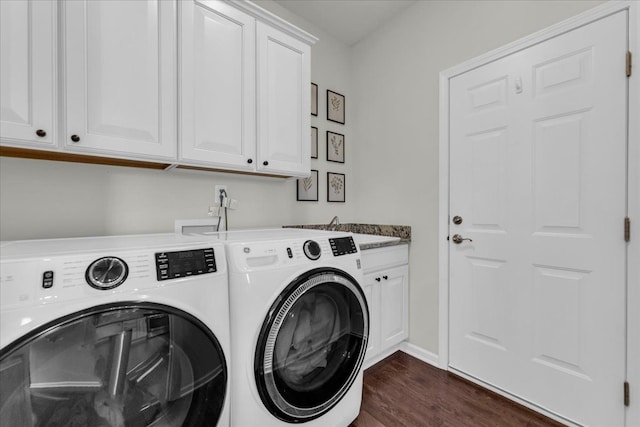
(386, 287)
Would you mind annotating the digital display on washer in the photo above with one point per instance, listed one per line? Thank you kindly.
(343, 246)
(173, 265)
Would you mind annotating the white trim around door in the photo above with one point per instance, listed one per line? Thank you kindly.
(633, 187)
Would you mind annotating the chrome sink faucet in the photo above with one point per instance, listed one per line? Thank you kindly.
(335, 221)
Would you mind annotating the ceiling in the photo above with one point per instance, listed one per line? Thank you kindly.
(347, 20)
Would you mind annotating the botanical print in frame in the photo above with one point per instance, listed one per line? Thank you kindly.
(335, 147)
(335, 107)
(335, 187)
(314, 142)
(314, 99)
(307, 188)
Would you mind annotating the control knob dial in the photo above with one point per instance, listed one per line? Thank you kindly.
(106, 273)
(312, 249)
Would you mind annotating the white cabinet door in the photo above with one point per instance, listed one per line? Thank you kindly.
(121, 78)
(217, 83)
(283, 103)
(394, 303)
(372, 294)
(27, 72)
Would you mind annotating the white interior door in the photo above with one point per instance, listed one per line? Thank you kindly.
(538, 176)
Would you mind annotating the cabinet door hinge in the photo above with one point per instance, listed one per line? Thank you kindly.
(627, 229)
(626, 393)
(628, 63)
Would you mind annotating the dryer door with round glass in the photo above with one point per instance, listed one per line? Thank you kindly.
(312, 345)
(137, 364)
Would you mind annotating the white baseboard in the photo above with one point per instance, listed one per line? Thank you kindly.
(406, 347)
(420, 353)
(377, 358)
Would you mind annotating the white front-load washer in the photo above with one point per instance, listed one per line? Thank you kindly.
(114, 331)
(299, 327)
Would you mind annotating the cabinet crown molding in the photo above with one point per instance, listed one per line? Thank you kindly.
(273, 20)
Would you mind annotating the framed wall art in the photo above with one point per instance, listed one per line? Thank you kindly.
(335, 107)
(335, 147)
(307, 188)
(314, 142)
(314, 99)
(335, 187)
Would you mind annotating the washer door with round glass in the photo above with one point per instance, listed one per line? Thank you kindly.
(312, 345)
(115, 366)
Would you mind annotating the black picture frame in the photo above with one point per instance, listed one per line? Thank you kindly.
(335, 147)
(336, 187)
(314, 142)
(307, 188)
(314, 99)
(335, 107)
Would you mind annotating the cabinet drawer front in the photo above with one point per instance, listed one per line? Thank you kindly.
(121, 77)
(377, 259)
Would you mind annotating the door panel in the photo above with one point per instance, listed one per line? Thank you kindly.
(117, 364)
(372, 295)
(539, 175)
(311, 345)
(393, 320)
(27, 74)
(218, 84)
(283, 99)
(121, 77)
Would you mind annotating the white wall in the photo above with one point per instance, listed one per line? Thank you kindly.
(43, 199)
(396, 119)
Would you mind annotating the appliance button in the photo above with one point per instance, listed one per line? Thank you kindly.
(47, 279)
(289, 253)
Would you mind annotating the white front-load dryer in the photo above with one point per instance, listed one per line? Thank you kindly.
(299, 327)
(114, 331)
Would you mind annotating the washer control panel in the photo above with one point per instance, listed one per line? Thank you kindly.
(343, 246)
(173, 265)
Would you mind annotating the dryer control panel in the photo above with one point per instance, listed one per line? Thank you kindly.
(173, 265)
(343, 246)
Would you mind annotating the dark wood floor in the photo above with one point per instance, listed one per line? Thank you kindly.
(404, 391)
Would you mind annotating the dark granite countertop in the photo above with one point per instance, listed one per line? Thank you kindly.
(400, 233)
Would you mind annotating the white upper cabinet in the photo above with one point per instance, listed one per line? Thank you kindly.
(27, 73)
(217, 85)
(121, 78)
(284, 81)
(244, 89)
(229, 92)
